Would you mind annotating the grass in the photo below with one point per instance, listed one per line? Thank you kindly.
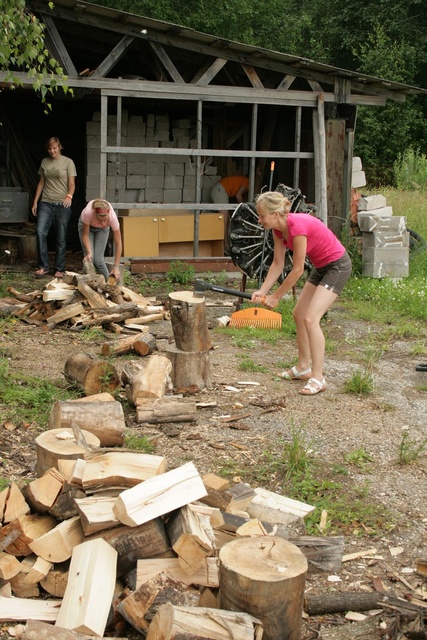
(410, 449)
(361, 383)
(133, 440)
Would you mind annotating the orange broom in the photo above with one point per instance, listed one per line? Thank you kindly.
(252, 317)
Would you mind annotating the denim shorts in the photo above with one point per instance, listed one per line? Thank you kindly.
(333, 275)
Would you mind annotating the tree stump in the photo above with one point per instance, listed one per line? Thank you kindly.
(58, 444)
(92, 375)
(105, 420)
(189, 325)
(190, 368)
(265, 577)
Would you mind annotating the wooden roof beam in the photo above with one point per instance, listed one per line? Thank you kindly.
(208, 72)
(57, 47)
(167, 62)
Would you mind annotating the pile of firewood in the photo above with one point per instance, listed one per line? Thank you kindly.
(86, 301)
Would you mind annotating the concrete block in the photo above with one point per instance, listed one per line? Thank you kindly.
(385, 255)
(93, 169)
(386, 239)
(385, 270)
(177, 132)
(358, 179)
(369, 223)
(154, 182)
(369, 203)
(183, 142)
(210, 170)
(135, 129)
(116, 182)
(161, 135)
(116, 169)
(209, 181)
(167, 144)
(172, 195)
(136, 157)
(154, 195)
(136, 120)
(193, 143)
(182, 123)
(93, 128)
(92, 183)
(356, 164)
(189, 182)
(93, 142)
(136, 168)
(174, 182)
(96, 116)
(136, 182)
(128, 195)
(136, 141)
(151, 120)
(188, 195)
(154, 168)
(174, 169)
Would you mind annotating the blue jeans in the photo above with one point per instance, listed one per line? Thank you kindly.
(52, 214)
(98, 239)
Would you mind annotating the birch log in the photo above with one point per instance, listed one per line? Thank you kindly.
(105, 420)
(92, 375)
(150, 381)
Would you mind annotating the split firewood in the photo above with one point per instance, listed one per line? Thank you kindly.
(14, 503)
(215, 515)
(152, 380)
(141, 606)
(95, 300)
(205, 576)
(25, 583)
(55, 444)
(16, 609)
(24, 297)
(159, 495)
(133, 296)
(57, 294)
(217, 499)
(120, 469)
(105, 420)
(145, 319)
(193, 623)
(91, 581)
(28, 528)
(37, 630)
(148, 540)
(212, 481)
(104, 396)
(92, 375)
(143, 345)
(192, 538)
(65, 505)
(56, 580)
(242, 495)
(9, 566)
(57, 544)
(96, 513)
(275, 508)
(66, 312)
(103, 316)
(38, 569)
(189, 324)
(162, 410)
(42, 493)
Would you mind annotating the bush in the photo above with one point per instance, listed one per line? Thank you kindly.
(410, 170)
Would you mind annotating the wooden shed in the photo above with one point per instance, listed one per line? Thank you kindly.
(160, 112)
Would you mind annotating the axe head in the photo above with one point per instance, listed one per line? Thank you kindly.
(199, 288)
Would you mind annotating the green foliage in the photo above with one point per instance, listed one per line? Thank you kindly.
(22, 48)
(133, 440)
(410, 170)
(358, 458)
(360, 383)
(247, 364)
(180, 273)
(4, 483)
(410, 450)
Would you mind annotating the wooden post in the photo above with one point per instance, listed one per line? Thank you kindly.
(265, 577)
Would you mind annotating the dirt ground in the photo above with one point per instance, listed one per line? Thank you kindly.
(335, 423)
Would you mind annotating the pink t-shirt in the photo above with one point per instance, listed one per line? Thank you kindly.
(323, 246)
(88, 216)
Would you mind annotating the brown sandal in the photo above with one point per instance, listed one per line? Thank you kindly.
(40, 272)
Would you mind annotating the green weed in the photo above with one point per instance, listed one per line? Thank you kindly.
(410, 170)
(410, 450)
(4, 483)
(247, 364)
(91, 334)
(180, 273)
(134, 440)
(358, 458)
(360, 383)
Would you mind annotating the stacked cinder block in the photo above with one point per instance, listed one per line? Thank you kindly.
(385, 250)
(146, 177)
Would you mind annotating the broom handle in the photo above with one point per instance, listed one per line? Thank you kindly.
(264, 240)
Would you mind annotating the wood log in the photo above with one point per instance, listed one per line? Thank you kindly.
(133, 296)
(16, 609)
(148, 540)
(65, 506)
(27, 529)
(165, 410)
(159, 495)
(95, 300)
(190, 368)
(67, 312)
(38, 570)
(54, 444)
(316, 605)
(265, 577)
(140, 607)
(205, 576)
(15, 504)
(120, 469)
(143, 345)
(91, 374)
(57, 544)
(193, 623)
(277, 509)
(36, 630)
(105, 396)
(24, 297)
(91, 581)
(9, 566)
(109, 316)
(105, 420)
(152, 380)
(96, 513)
(189, 324)
(192, 538)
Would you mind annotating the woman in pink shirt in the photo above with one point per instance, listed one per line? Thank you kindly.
(305, 235)
(94, 225)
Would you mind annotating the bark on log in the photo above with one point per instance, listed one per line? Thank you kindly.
(105, 420)
(190, 368)
(189, 324)
(152, 380)
(265, 577)
(344, 601)
(143, 345)
(92, 375)
(54, 444)
(161, 410)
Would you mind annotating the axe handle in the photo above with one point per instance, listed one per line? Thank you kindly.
(230, 292)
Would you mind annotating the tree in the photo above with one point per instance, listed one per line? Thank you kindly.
(22, 47)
